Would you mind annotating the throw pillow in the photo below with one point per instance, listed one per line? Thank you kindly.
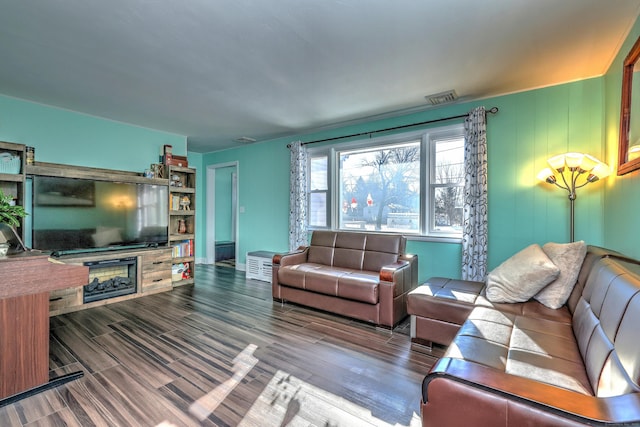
(568, 258)
(522, 276)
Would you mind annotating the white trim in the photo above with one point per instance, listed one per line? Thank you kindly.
(428, 138)
(210, 220)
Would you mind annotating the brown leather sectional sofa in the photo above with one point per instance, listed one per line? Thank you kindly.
(526, 365)
(364, 276)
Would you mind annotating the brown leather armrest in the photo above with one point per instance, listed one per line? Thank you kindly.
(387, 272)
(296, 257)
(584, 408)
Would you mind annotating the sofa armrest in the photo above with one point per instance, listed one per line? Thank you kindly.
(296, 257)
(402, 273)
(389, 273)
(524, 397)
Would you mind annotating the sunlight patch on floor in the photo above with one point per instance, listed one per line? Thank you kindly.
(290, 401)
(242, 365)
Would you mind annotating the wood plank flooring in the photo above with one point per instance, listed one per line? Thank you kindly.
(222, 353)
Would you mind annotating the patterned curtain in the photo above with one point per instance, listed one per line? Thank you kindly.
(298, 197)
(474, 234)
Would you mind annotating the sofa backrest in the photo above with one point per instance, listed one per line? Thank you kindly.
(606, 323)
(594, 253)
(359, 251)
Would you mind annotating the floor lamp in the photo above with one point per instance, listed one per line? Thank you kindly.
(571, 171)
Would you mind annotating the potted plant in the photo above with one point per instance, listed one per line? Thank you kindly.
(10, 213)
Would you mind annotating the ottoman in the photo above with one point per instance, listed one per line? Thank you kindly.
(439, 307)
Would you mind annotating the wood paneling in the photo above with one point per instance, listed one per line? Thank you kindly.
(24, 340)
(222, 353)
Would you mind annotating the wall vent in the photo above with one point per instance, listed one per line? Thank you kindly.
(442, 97)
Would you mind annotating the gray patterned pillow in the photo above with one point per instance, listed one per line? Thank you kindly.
(568, 257)
(522, 276)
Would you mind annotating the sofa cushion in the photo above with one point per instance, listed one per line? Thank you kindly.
(322, 247)
(568, 258)
(522, 276)
(529, 347)
(345, 283)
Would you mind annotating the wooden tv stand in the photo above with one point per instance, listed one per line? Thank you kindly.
(153, 276)
(27, 279)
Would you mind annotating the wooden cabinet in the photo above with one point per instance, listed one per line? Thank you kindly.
(156, 271)
(12, 174)
(182, 221)
(28, 278)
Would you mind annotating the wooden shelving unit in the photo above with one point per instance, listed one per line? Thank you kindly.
(182, 205)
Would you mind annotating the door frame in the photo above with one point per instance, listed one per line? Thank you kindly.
(210, 215)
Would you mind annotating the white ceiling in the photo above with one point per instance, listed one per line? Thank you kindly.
(217, 70)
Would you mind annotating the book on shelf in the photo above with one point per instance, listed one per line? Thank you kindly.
(175, 203)
(183, 248)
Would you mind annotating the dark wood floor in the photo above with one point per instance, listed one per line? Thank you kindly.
(222, 353)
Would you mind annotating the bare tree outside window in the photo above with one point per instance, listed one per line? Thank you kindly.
(381, 188)
(448, 184)
(409, 183)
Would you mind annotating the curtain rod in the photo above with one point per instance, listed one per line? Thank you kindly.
(492, 110)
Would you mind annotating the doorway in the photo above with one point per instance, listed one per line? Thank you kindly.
(222, 214)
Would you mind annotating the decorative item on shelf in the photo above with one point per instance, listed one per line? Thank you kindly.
(30, 155)
(185, 203)
(186, 272)
(148, 173)
(190, 226)
(10, 214)
(167, 155)
(182, 226)
(158, 170)
(9, 163)
(175, 203)
(176, 181)
(575, 170)
(176, 271)
(173, 160)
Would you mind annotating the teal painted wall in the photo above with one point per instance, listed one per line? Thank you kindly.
(263, 194)
(530, 127)
(195, 161)
(622, 193)
(67, 137)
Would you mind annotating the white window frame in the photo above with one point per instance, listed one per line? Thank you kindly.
(428, 139)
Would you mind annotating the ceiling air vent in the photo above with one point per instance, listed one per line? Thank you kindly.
(244, 140)
(442, 97)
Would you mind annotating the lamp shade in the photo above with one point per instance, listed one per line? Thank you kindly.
(573, 160)
(546, 175)
(601, 170)
(557, 162)
(589, 162)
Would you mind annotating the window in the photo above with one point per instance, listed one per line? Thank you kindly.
(410, 183)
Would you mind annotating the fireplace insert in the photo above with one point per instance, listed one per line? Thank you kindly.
(110, 278)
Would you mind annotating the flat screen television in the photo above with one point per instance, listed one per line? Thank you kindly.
(76, 215)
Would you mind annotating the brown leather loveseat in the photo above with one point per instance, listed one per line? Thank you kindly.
(524, 364)
(365, 276)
